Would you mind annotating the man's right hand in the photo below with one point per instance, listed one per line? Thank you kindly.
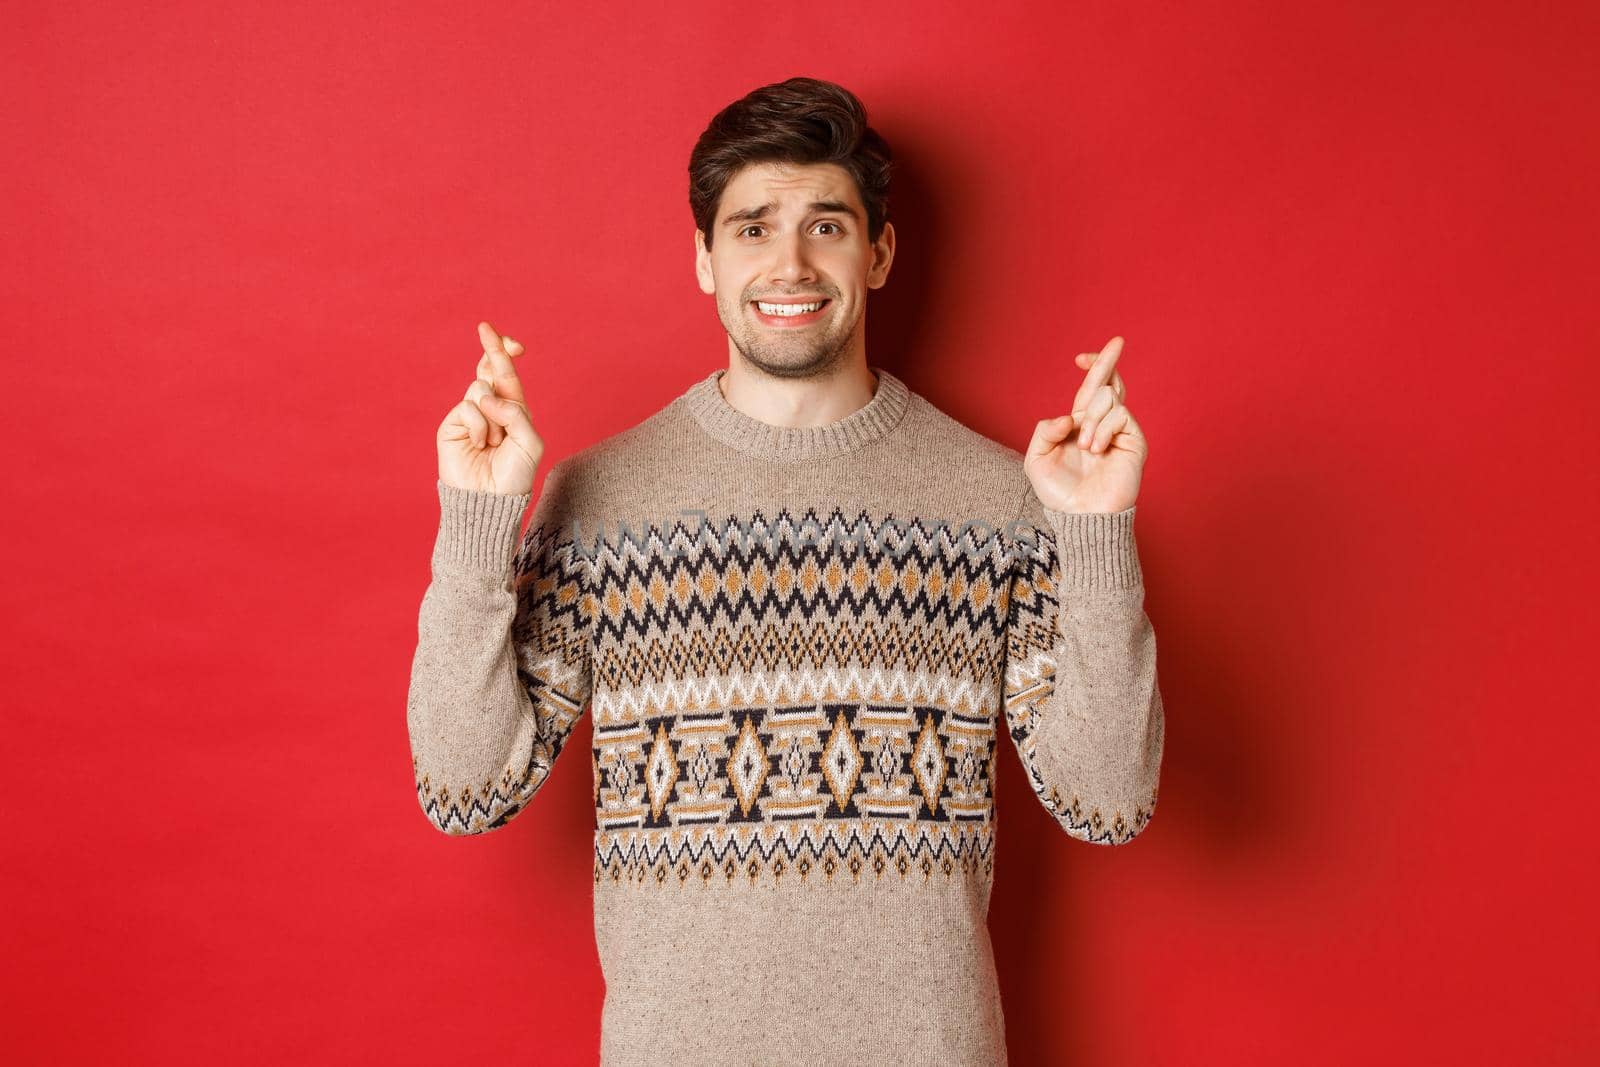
(486, 442)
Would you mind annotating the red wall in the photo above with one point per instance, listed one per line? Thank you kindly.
(1353, 255)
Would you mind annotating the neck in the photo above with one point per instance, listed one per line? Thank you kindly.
(798, 402)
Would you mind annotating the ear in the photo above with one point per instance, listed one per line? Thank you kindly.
(882, 257)
(702, 264)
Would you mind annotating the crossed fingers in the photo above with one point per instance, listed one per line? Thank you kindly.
(1098, 407)
(496, 376)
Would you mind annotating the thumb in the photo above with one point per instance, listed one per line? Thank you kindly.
(1049, 433)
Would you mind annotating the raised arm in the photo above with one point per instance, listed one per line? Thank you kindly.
(502, 669)
(1081, 696)
(1080, 691)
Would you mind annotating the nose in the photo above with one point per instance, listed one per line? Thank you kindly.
(791, 263)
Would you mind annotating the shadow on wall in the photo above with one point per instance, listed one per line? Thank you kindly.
(903, 316)
(1230, 797)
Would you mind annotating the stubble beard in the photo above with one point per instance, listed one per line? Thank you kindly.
(791, 357)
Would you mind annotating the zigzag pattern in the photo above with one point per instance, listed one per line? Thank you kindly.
(916, 648)
(473, 811)
(653, 581)
(771, 851)
(1088, 824)
(972, 695)
(554, 610)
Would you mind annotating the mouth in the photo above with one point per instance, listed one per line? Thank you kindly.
(786, 314)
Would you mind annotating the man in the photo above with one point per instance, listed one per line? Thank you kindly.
(798, 600)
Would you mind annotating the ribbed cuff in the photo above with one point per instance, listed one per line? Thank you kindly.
(1096, 550)
(479, 529)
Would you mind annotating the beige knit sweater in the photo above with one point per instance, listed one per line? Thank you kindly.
(797, 645)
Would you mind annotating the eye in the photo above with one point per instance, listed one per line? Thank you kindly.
(835, 225)
(752, 226)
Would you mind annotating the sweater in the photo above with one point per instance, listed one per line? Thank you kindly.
(796, 646)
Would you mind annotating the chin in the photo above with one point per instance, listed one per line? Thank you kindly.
(790, 364)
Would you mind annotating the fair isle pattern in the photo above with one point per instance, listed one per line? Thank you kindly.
(854, 850)
(1031, 657)
(550, 633)
(828, 787)
(842, 727)
(858, 689)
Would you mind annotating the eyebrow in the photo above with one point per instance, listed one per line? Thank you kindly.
(761, 211)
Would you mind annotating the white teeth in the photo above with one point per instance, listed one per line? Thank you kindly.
(787, 309)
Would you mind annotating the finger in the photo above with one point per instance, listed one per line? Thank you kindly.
(512, 418)
(469, 418)
(477, 423)
(486, 369)
(479, 389)
(490, 402)
(1132, 437)
(1049, 433)
(1113, 423)
(1105, 362)
(1100, 403)
(486, 375)
(1086, 360)
(1102, 366)
(502, 374)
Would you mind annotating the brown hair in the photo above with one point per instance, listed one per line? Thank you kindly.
(801, 120)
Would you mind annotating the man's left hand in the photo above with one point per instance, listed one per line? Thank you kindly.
(1090, 460)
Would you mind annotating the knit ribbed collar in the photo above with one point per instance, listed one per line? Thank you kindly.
(874, 420)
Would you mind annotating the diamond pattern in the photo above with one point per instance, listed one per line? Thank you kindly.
(747, 766)
(841, 764)
(662, 770)
(928, 759)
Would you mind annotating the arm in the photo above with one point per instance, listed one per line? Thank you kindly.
(502, 669)
(1080, 690)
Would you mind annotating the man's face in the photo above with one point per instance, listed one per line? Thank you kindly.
(795, 234)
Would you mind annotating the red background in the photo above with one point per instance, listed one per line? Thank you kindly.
(1353, 255)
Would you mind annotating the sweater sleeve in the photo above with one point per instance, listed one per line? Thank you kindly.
(1081, 697)
(503, 664)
